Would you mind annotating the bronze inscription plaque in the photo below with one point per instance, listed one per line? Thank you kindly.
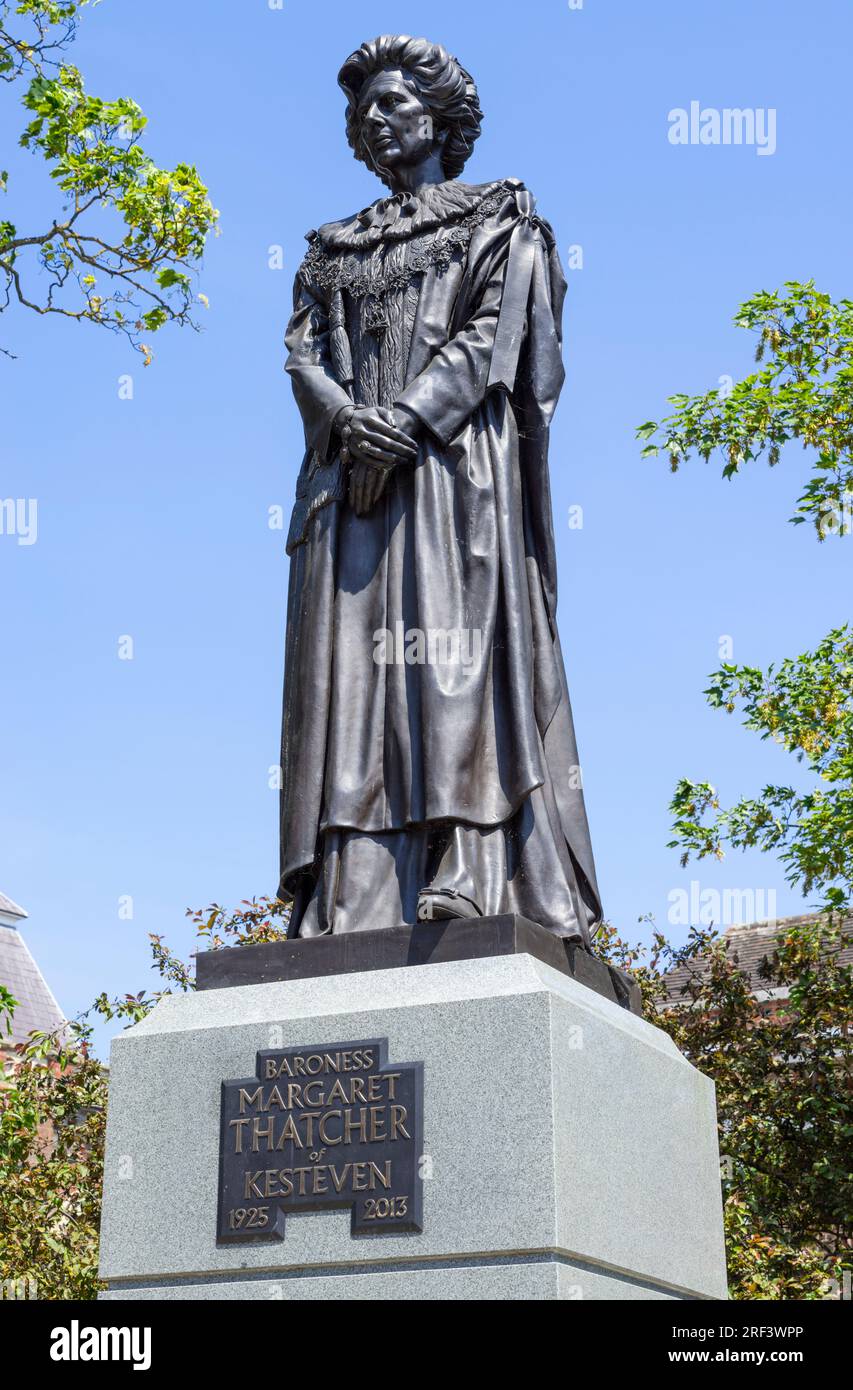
(335, 1125)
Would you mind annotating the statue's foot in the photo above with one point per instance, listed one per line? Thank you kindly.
(443, 904)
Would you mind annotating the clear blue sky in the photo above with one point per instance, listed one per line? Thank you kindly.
(149, 777)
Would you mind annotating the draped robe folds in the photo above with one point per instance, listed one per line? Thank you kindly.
(427, 737)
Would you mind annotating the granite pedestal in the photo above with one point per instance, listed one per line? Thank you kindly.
(569, 1150)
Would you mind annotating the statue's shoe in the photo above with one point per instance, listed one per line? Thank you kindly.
(443, 904)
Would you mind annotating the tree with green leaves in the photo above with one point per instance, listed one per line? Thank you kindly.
(783, 1069)
(804, 703)
(53, 1095)
(804, 391)
(783, 1073)
(123, 245)
(53, 1107)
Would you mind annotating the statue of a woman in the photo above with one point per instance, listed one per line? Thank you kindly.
(429, 760)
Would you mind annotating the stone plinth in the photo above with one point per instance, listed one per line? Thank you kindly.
(570, 1151)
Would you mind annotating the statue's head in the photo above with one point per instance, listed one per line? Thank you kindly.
(408, 98)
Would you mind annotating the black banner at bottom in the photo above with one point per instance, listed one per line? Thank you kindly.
(82, 1340)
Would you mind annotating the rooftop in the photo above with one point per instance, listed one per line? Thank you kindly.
(10, 909)
(749, 946)
(37, 1009)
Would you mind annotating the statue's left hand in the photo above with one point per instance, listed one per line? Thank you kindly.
(366, 486)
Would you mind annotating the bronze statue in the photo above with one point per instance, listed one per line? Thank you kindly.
(428, 752)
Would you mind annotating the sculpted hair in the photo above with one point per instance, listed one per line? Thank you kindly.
(443, 85)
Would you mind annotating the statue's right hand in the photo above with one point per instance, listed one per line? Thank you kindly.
(375, 439)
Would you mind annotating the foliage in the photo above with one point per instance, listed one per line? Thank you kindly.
(806, 705)
(784, 1099)
(782, 1071)
(804, 391)
(122, 251)
(53, 1099)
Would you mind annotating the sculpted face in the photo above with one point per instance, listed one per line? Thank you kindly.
(396, 126)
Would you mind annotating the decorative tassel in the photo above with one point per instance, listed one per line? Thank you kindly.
(339, 342)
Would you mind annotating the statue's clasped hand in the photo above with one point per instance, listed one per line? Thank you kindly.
(373, 442)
